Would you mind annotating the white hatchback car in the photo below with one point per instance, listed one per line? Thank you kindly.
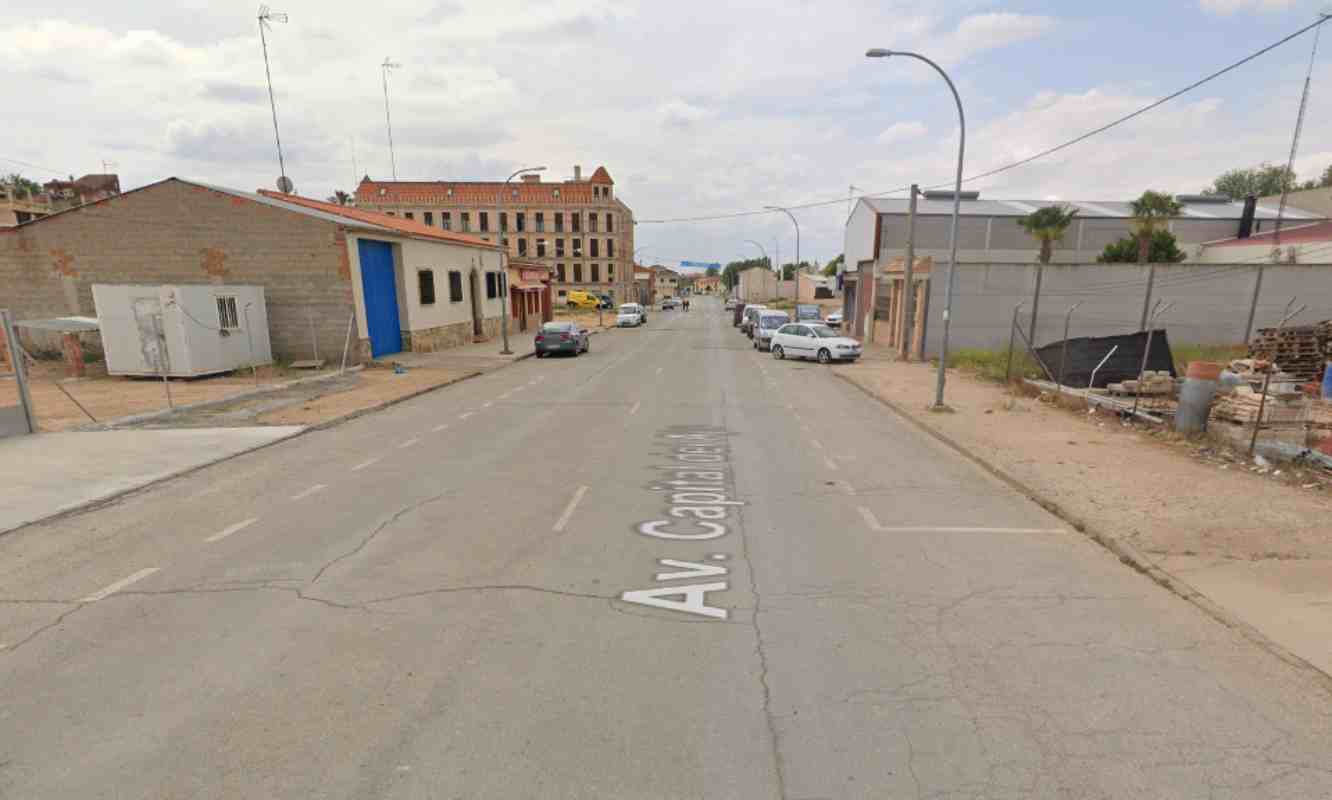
(630, 316)
(813, 340)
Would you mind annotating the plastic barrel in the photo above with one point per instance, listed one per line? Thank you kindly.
(1195, 397)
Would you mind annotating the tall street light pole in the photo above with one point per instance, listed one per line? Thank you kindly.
(267, 17)
(504, 253)
(388, 120)
(761, 250)
(879, 52)
(797, 261)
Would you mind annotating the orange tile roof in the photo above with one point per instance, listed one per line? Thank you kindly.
(481, 192)
(407, 226)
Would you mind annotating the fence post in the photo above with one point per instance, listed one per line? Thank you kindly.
(1267, 380)
(20, 370)
(1012, 331)
(346, 344)
(1063, 351)
(1157, 311)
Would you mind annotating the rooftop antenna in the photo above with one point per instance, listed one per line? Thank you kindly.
(385, 67)
(266, 18)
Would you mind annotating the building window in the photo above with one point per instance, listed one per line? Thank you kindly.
(578, 248)
(425, 284)
(559, 222)
(504, 222)
(559, 247)
(466, 221)
(562, 293)
(541, 248)
(519, 221)
(540, 222)
(596, 273)
(610, 272)
(391, 213)
(522, 246)
(409, 215)
(592, 222)
(485, 221)
(445, 220)
(610, 224)
(557, 192)
(455, 286)
(492, 287)
(428, 218)
(610, 248)
(227, 319)
(559, 272)
(576, 221)
(593, 246)
(578, 273)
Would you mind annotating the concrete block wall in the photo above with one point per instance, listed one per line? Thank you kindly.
(1211, 300)
(173, 232)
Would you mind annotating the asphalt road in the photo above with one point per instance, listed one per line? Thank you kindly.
(499, 590)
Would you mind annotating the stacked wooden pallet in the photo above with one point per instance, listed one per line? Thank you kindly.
(1300, 350)
(1242, 406)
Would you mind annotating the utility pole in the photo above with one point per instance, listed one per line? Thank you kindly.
(908, 326)
(388, 120)
(797, 257)
(267, 17)
(504, 252)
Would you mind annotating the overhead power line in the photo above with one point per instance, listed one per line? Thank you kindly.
(52, 170)
(1029, 159)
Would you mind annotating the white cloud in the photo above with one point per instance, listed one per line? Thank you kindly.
(1228, 7)
(901, 131)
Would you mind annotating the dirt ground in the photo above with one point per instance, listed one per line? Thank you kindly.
(108, 398)
(586, 318)
(1166, 495)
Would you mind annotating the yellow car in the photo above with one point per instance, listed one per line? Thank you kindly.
(581, 299)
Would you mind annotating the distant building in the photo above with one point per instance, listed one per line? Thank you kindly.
(577, 227)
(644, 284)
(667, 282)
(1315, 201)
(707, 284)
(17, 207)
(1300, 244)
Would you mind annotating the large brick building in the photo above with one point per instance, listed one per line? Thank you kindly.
(408, 287)
(577, 227)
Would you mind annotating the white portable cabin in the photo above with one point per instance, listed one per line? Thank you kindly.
(182, 330)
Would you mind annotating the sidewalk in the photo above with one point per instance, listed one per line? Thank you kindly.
(1254, 551)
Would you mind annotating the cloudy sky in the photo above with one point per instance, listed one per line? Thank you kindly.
(695, 108)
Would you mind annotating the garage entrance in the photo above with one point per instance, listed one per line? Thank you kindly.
(380, 289)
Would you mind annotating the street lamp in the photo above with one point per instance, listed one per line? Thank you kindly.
(797, 261)
(761, 250)
(879, 52)
(504, 252)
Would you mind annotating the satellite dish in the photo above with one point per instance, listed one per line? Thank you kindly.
(285, 185)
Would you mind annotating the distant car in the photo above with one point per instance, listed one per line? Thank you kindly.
(833, 320)
(562, 337)
(812, 340)
(731, 303)
(747, 321)
(580, 299)
(669, 303)
(807, 312)
(768, 323)
(630, 316)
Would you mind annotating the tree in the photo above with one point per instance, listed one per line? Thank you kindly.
(1151, 213)
(1164, 250)
(340, 197)
(1047, 225)
(23, 185)
(1324, 180)
(830, 270)
(789, 269)
(712, 272)
(1263, 180)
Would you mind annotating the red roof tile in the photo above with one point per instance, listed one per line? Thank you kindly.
(480, 192)
(601, 176)
(407, 226)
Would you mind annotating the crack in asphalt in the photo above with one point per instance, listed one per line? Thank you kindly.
(397, 515)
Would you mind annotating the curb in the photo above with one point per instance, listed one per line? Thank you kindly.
(116, 497)
(1127, 554)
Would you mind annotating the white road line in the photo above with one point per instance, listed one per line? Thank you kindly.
(439, 428)
(506, 395)
(466, 415)
(569, 509)
(816, 444)
(225, 532)
(318, 487)
(848, 488)
(412, 441)
(365, 464)
(659, 369)
(870, 520)
(634, 410)
(487, 404)
(829, 463)
(120, 584)
(873, 523)
(517, 389)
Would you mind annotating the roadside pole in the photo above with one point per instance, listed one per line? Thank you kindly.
(908, 324)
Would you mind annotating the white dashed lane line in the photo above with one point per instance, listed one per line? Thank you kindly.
(465, 415)
(659, 369)
(318, 487)
(829, 463)
(487, 404)
(410, 442)
(120, 584)
(367, 463)
(569, 510)
(634, 410)
(225, 532)
(874, 525)
(816, 444)
(439, 428)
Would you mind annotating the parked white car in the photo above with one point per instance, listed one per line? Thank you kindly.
(812, 340)
(834, 319)
(769, 320)
(630, 316)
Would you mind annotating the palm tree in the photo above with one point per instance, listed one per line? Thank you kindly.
(1047, 225)
(340, 197)
(1151, 213)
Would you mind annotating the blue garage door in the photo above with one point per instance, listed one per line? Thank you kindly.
(381, 297)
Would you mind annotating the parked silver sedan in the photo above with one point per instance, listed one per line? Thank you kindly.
(562, 337)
